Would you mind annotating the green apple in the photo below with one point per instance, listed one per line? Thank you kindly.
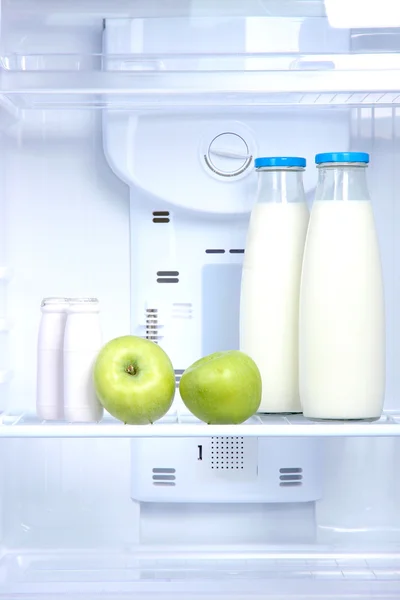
(222, 388)
(134, 380)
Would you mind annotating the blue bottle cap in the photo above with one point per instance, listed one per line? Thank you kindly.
(342, 157)
(280, 161)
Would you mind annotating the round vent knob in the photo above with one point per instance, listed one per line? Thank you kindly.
(228, 155)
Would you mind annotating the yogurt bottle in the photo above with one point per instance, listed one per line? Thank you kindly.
(50, 375)
(82, 342)
(342, 312)
(269, 307)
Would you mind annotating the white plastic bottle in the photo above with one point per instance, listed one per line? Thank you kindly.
(50, 385)
(269, 305)
(82, 342)
(342, 315)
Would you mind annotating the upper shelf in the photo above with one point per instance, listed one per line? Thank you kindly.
(190, 54)
(161, 8)
(184, 425)
(164, 82)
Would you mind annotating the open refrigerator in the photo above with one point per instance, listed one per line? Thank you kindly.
(128, 135)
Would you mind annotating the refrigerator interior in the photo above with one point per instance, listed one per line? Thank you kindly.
(128, 132)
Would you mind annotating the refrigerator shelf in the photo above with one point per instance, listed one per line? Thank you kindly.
(140, 82)
(201, 62)
(212, 575)
(184, 425)
(150, 8)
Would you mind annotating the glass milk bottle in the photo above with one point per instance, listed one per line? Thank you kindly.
(82, 343)
(50, 386)
(269, 305)
(342, 316)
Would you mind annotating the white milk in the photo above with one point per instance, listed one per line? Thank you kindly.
(342, 321)
(270, 300)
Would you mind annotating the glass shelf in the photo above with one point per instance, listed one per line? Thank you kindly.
(211, 575)
(165, 82)
(184, 425)
(151, 8)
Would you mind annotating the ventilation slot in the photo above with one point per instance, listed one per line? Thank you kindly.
(164, 483)
(161, 216)
(164, 477)
(167, 276)
(236, 251)
(178, 376)
(290, 477)
(290, 483)
(227, 453)
(294, 470)
(182, 310)
(215, 251)
(162, 470)
(152, 325)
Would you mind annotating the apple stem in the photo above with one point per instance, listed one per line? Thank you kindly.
(131, 370)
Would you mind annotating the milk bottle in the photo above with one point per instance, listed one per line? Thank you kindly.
(342, 320)
(271, 280)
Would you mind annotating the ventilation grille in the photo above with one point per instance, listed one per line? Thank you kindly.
(290, 477)
(182, 310)
(178, 376)
(164, 477)
(167, 276)
(227, 453)
(222, 251)
(161, 216)
(152, 325)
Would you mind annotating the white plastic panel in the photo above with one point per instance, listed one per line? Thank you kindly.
(229, 469)
(137, 147)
